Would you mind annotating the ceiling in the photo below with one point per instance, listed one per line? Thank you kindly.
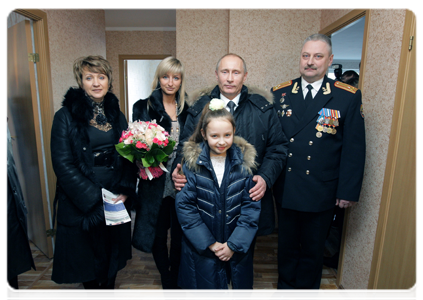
(347, 42)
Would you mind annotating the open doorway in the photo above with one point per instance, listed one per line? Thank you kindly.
(138, 76)
(29, 112)
(347, 46)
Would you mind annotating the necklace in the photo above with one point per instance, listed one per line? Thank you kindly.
(99, 120)
(99, 111)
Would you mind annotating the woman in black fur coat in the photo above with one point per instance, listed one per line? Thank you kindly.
(155, 212)
(83, 137)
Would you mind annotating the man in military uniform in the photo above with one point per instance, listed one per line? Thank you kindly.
(324, 123)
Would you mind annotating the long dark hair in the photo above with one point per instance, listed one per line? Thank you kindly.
(206, 116)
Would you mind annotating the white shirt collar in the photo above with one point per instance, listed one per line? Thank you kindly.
(316, 86)
(234, 100)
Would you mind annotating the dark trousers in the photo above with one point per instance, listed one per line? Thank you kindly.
(12, 289)
(97, 291)
(301, 243)
(168, 263)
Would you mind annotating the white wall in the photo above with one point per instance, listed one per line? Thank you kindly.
(140, 77)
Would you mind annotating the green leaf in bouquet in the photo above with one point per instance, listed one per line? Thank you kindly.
(145, 163)
(125, 151)
(160, 156)
(139, 153)
(148, 160)
(169, 148)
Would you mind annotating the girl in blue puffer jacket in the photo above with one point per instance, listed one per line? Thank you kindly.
(216, 213)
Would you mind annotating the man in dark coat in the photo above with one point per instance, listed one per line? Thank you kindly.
(324, 124)
(256, 121)
(19, 255)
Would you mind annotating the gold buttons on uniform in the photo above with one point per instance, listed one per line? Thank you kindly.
(291, 140)
(308, 157)
(289, 169)
(307, 172)
(290, 155)
(310, 143)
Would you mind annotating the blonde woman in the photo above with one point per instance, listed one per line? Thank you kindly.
(155, 209)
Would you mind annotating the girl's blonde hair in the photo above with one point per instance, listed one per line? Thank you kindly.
(206, 116)
(174, 66)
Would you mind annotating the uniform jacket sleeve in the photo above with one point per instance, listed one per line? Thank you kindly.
(247, 224)
(353, 152)
(189, 217)
(69, 177)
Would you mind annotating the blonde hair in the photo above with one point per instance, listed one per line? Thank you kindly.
(174, 66)
(95, 64)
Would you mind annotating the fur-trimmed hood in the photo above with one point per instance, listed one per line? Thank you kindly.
(243, 150)
(81, 108)
(197, 94)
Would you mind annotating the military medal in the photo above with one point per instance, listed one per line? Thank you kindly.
(289, 112)
(327, 121)
(319, 134)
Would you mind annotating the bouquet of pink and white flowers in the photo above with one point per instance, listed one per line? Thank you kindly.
(149, 145)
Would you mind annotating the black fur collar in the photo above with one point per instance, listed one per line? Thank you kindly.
(81, 108)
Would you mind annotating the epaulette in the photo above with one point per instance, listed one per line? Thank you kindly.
(282, 85)
(346, 87)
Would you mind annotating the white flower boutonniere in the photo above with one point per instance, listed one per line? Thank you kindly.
(216, 104)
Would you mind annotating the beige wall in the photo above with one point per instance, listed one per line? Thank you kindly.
(136, 42)
(264, 38)
(72, 34)
(332, 15)
(270, 41)
(201, 40)
(383, 54)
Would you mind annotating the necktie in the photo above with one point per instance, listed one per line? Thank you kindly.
(231, 106)
(308, 97)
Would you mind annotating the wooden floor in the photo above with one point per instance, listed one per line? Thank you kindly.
(141, 272)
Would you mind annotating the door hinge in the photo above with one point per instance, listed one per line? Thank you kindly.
(33, 57)
(410, 45)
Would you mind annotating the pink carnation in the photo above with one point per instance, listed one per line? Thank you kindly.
(156, 171)
(156, 140)
(143, 175)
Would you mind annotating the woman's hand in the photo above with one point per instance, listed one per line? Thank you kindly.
(120, 197)
(225, 253)
(216, 247)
